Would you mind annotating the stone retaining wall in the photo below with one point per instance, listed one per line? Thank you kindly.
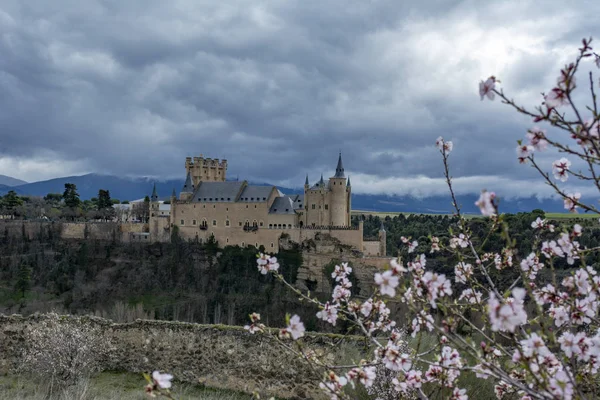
(222, 357)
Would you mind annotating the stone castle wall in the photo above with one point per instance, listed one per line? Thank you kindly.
(224, 357)
(72, 230)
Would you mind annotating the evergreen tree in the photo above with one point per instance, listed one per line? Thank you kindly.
(70, 196)
(104, 200)
(23, 279)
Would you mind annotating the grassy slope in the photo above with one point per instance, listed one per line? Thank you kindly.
(108, 385)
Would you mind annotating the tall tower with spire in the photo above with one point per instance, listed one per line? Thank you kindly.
(188, 189)
(154, 204)
(339, 207)
(328, 203)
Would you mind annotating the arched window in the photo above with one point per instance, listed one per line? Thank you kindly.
(254, 223)
(214, 222)
(227, 240)
(243, 244)
(226, 222)
(272, 245)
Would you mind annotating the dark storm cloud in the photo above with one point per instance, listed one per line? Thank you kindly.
(277, 87)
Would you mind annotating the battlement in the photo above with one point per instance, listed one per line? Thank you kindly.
(206, 169)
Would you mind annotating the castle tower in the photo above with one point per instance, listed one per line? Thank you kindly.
(206, 169)
(339, 207)
(188, 189)
(382, 240)
(154, 202)
(349, 194)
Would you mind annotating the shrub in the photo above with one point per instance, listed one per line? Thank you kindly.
(64, 351)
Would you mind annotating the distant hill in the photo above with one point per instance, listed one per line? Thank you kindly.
(88, 186)
(10, 181)
(137, 188)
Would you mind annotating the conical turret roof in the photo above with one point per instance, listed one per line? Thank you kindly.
(306, 181)
(173, 194)
(348, 184)
(154, 196)
(339, 170)
(188, 187)
(321, 182)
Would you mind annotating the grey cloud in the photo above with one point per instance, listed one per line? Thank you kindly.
(278, 88)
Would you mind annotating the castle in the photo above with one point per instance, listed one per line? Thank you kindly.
(238, 213)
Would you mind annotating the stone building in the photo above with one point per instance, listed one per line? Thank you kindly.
(238, 213)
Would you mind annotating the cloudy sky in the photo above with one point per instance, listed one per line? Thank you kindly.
(280, 87)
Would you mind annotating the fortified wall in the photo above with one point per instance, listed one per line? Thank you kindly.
(223, 357)
(73, 230)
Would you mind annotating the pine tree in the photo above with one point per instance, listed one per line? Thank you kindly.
(23, 279)
(71, 196)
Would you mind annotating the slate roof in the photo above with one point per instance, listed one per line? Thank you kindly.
(298, 201)
(154, 196)
(255, 193)
(282, 205)
(188, 187)
(217, 191)
(339, 170)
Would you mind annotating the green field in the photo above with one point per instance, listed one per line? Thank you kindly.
(108, 385)
(383, 214)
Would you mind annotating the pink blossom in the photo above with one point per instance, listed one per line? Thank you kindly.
(435, 244)
(460, 241)
(571, 202)
(329, 313)
(487, 88)
(472, 296)
(537, 138)
(510, 314)
(412, 246)
(524, 151)
(556, 98)
(486, 203)
(443, 146)
(341, 272)
(560, 168)
(162, 380)
(397, 267)
(296, 328)
(267, 263)
(459, 394)
(462, 272)
(387, 282)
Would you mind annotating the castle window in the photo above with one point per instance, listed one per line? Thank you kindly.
(222, 199)
(256, 245)
(205, 199)
(270, 226)
(327, 206)
(227, 209)
(287, 209)
(240, 223)
(214, 222)
(226, 222)
(194, 206)
(227, 240)
(313, 207)
(264, 198)
(214, 206)
(182, 222)
(243, 244)
(254, 223)
(255, 206)
(203, 206)
(271, 244)
(260, 223)
(319, 206)
(194, 222)
(252, 198)
(279, 226)
(229, 198)
(246, 205)
(290, 226)
(210, 199)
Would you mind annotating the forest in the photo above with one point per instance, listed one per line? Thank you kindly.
(193, 282)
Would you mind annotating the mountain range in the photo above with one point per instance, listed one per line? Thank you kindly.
(137, 188)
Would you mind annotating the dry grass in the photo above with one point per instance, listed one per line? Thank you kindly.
(106, 386)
